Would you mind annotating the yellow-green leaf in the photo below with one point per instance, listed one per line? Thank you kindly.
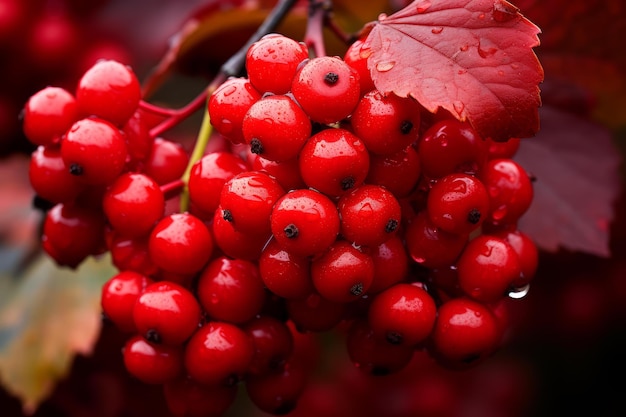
(50, 315)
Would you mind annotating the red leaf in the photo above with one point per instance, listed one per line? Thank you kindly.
(473, 58)
(577, 169)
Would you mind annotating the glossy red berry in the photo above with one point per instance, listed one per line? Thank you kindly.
(166, 162)
(118, 298)
(276, 128)
(133, 204)
(458, 203)
(48, 114)
(465, 333)
(430, 246)
(403, 314)
(228, 105)
(109, 90)
(283, 273)
(386, 123)
(131, 254)
(305, 222)
(506, 149)
(94, 151)
(399, 172)
(247, 200)
(209, 175)
(152, 363)
(166, 313)
(372, 355)
(356, 56)
(231, 290)
(527, 252)
(510, 190)
(233, 243)
(450, 146)
(343, 273)
(327, 88)
(180, 243)
(391, 264)
(487, 268)
(71, 233)
(315, 313)
(138, 140)
(50, 178)
(287, 173)
(334, 161)
(218, 353)
(273, 344)
(370, 215)
(272, 61)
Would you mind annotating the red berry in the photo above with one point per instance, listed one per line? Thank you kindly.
(166, 313)
(276, 128)
(283, 273)
(187, 398)
(152, 363)
(167, 161)
(132, 254)
(506, 149)
(247, 200)
(109, 90)
(209, 175)
(370, 215)
(391, 264)
(458, 203)
(327, 88)
(118, 298)
(356, 56)
(343, 273)
(403, 314)
(180, 243)
(138, 140)
(398, 172)
(450, 146)
(133, 204)
(94, 151)
(334, 161)
(273, 344)
(315, 313)
(527, 252)
(50, 178)
(231, 290)
(232, 242)
(272, 61)
(287, 173)
(487, 268)
(218, 353)
(48, 114)
(277, 392)
(304, 222)
(386, 123)
(465, 333)
(228, 105)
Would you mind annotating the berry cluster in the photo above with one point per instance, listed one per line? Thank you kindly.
(332, 206)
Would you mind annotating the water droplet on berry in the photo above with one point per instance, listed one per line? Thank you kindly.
(499, 213)
(214, 299)
(519, 292)
(486, 252)
(423, 6)
(458, 107)
(464, 48)
(462, 71)
(437, 30)
(231, 89)
(384, 66)
(481, 16)
(500, 73)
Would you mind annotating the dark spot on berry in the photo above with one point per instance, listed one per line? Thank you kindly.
(394, 338)
(291, 231)
(379, 371)
(76, 169)
(42, 204)
(331, 78)
(347, 183)
(256, 147)
(473, 216)
(405, 127)
(227, 215)
(391, 225)
(285, 408)
(153, 336)
(357, 289)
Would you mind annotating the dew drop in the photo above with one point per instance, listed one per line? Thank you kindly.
(464, 48)
(419, 259)
(519, 292)
(499, 213)
(462, 71)
(487, 251)
(437, 30)
(423, 6)
(500, 73)
(481, 16)
(458, 107)
(229, 90)
(384, 66)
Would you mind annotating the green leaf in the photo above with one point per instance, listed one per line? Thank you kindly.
(49, 315)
